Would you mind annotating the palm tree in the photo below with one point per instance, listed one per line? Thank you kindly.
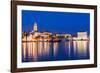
(26, 34)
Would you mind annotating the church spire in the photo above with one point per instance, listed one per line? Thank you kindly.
(35, 28)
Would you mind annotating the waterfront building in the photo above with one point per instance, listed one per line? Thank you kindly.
(82, 35)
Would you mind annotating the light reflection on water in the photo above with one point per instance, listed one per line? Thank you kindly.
(52, 51)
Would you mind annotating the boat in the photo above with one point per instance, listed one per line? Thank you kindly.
(55, 40)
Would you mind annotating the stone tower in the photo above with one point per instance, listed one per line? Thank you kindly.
(35, 28)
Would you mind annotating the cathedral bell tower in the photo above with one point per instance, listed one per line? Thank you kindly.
(35, 28)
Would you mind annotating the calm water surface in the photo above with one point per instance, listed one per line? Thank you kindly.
(52, 51)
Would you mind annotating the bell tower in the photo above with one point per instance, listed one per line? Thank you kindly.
(35, 28)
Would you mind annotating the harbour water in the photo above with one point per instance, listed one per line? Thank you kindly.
(55, 51)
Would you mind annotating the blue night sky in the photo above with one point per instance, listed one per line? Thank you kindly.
(56, 22)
